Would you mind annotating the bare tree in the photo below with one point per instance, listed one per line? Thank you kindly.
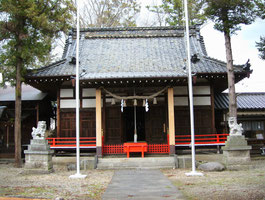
(109, 13)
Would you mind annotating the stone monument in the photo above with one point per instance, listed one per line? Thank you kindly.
(38, 157)
(236, 151)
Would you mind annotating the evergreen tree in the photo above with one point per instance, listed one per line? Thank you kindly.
(227, 16)
(261, 13)
(261, 47)
(27, 29)
(173, 11)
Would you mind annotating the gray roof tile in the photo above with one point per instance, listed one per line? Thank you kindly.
(245, 101)
(110, 53)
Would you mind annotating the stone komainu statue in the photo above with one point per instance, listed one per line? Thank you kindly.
(38, 133)
(235, 128)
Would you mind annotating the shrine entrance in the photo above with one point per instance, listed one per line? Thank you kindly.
(136, 121)
(129, 123)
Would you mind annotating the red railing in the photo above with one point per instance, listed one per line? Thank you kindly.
(157, 148)
(201, 139)
(113, 149)
(70, 142)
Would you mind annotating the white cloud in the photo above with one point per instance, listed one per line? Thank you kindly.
(243, 47)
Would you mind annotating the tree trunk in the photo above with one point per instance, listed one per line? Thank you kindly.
(18, 161)
(230, 76)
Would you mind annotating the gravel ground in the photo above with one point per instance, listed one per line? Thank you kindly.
(15, 183)
(242, 184)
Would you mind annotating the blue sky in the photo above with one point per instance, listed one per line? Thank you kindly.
(243, 47)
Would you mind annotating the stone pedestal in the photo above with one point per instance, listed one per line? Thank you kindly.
(236, 152)
(38, 157)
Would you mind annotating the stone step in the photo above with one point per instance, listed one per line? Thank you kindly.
(136, 163)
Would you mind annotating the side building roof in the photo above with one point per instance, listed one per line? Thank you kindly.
(245, 101)
(28, 94)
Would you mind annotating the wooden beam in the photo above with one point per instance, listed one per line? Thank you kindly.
(58, 114)
(171, 120)
(98, 123)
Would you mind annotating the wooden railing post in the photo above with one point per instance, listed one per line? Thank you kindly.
(168, 142)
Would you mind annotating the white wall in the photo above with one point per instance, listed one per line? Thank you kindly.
(67, 103)
(89, 92)
(197, 100)
(67, 93)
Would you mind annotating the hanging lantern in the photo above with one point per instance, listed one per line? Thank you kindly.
(73, 82)
(113, 101)
(135, 102)
(143, 103)
(155, 101)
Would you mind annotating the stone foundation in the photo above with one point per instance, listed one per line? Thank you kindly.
(38, 157)
(236, 152)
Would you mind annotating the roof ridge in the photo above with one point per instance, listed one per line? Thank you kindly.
(250, 93)
(136, 36)
(220, 61)
(203, 46)
(214, 59)
(61, 61)
(99, 29)
(239, 93)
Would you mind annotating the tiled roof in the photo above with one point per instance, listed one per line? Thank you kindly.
(245, 101)
(28, 94)
(156, 52)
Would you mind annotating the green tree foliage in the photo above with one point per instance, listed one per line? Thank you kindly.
(173, 11)
(109, 13)
(27, 29)
(260, 11)
(261, 47)
(227, 16)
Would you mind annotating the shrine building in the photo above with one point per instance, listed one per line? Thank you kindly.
(134, 89)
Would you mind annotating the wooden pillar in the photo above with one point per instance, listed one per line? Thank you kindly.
(104, 116)
(37, 113)
(58, 114)
(212, 111)
(171, 120)
(98, 123)
(7, 136)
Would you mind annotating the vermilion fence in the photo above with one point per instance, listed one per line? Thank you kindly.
(181, 140)
(113, 149)
(119, 148)
(201, 139)
(70, 142)
(157, 148)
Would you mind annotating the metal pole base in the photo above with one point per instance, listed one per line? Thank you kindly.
(77, 176)
(194, 173)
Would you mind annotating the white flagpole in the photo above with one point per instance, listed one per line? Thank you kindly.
(193, 172)
(77, 175)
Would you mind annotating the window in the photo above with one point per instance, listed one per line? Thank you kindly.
(253, 125)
